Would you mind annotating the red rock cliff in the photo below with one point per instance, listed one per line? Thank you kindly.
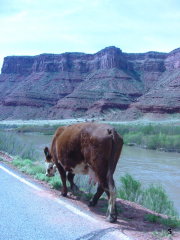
(107, 83)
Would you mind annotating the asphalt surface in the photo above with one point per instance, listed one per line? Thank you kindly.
(30, 212)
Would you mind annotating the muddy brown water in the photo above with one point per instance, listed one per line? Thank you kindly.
(148, 166)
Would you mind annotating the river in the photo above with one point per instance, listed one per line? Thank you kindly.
(148, 166)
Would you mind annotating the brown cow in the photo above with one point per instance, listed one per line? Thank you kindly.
(87, 148)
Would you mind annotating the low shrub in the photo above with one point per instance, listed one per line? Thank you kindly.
(156, 199)
(170, 222)
(130, 189)
(153, 197)
(15, 146)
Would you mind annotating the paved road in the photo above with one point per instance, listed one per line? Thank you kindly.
(30, 212)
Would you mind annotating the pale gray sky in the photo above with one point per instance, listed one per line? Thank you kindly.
(31, 27)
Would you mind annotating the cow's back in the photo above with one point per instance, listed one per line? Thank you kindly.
(101, 147)
(54, 141)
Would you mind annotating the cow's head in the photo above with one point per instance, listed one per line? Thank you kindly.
(50, 166)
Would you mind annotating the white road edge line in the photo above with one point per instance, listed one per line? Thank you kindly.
(68, 206)
(20, 178)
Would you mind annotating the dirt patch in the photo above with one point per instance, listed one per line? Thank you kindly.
(6, 157)
(131, 216)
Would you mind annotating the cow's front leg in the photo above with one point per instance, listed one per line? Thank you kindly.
(62, 173)
(73, 186)
(96, 197)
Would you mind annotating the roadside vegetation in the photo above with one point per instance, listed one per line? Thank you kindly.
(15, 146)
(153, 197)
(37, 170)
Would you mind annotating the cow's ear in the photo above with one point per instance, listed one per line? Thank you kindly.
(47, 153)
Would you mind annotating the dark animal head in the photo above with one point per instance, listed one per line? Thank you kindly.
(50, 166)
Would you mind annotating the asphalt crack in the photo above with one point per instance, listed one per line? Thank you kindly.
(96, 235)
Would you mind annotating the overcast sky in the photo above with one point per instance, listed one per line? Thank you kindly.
(31, 27)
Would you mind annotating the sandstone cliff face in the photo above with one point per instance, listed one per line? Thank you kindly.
(173, 60)
(164, 96)
(78, 84)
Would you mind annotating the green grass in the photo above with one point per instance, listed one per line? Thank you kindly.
(28, 166)
(130, 189)
(161, 235)
(156, 199)
(170, 222)
(55, 182)
(152, 218)
(37, 170)
(153, 197)
(15, 146)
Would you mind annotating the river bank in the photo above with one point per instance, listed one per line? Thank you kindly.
(157, 135)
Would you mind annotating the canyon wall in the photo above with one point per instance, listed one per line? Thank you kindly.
(110, 84)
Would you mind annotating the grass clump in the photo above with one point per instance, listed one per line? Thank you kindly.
(156, 199)
(152, 218)
(153, 197)
(170, 222)
(36, 170)
(15, 146)
(55, 182)
(41, 177)
(19, 162)
(130, 189)
(33, 169)
(28, 166)
(160, 235)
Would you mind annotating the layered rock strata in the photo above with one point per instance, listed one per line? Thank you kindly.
(78, 84)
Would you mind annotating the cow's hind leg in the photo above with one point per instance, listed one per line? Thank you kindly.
(62, 173)
(112, 210)
(97, 195)
(73, 186)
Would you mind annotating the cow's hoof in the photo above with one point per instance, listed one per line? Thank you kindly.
(112, 218)
(91, 203)
(64, 194)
